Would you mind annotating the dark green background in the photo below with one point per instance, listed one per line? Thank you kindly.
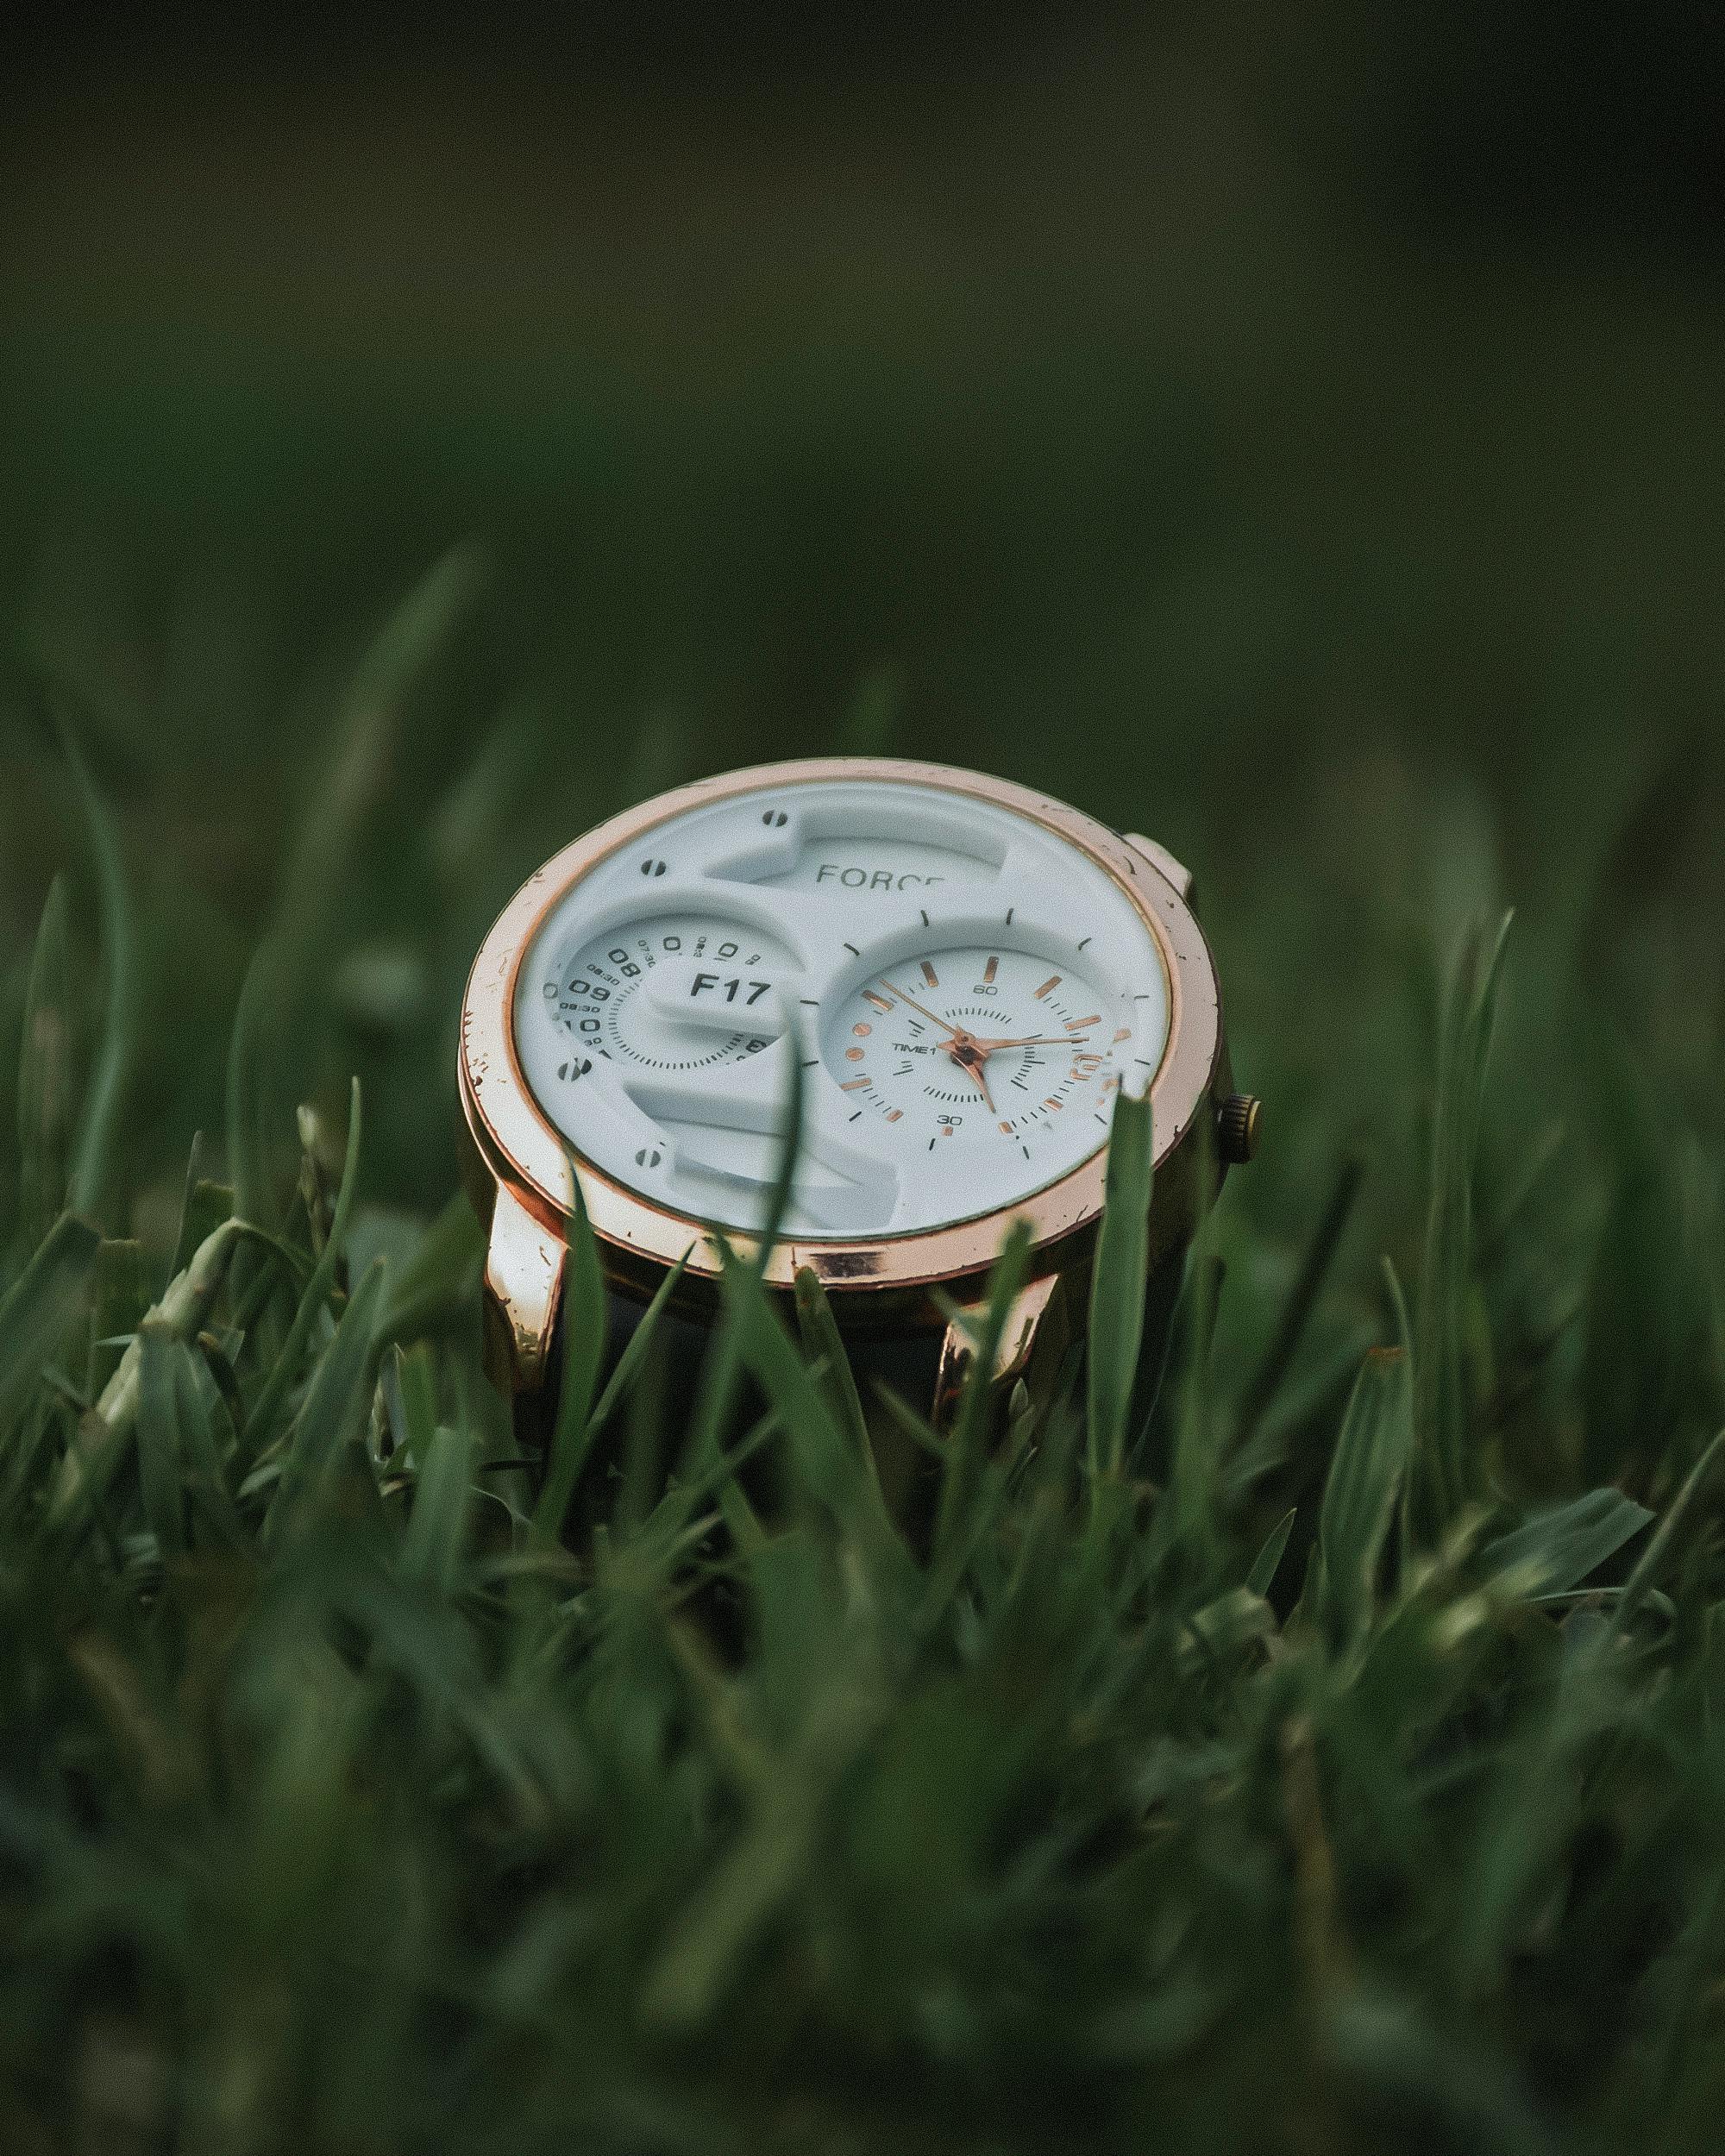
(1295, 432)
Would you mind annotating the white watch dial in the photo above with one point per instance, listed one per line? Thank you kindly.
(965, 990)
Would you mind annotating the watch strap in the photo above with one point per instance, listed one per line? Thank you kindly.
(912, 1364)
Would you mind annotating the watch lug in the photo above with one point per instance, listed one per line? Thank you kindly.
(524, 1280)
(1162, 861)
(1032, 1322)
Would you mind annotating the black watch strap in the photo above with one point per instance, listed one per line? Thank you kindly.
(909, 1363)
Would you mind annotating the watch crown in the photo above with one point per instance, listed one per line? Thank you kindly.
(1159, 857)
(1236, 1126)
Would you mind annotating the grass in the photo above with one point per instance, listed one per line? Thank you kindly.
(1331, 1762)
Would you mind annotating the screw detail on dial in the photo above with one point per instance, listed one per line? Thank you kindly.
(1237, 1127)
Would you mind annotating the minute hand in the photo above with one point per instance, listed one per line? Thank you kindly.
(945, 1025)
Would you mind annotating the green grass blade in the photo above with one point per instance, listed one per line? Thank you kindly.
(39, 1309)
(637, 1348)
(1445, 1471)
(437, 1525)
(785, 1174)
(1360, 1493)
(286, 1366)
(433, 1292)
(584, 1329)
(120, 1301)
(1315, 1260)
(47, 1086)
(1120, 1281)
(1261, 1576)
(203, 1414)
(89, 1184)
(1653, 1559)
(716, 1406)
(391, 675)
(826, 1465)
(964, 1447)
(411, 1373)
(160, 1454)
(332, 1415)
(206, 1205)
(1193, 1501)
(1556, 1548)
(249, 1099)
(824, 1343)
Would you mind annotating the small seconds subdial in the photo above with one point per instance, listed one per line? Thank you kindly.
(679, 993)
(979, 1049)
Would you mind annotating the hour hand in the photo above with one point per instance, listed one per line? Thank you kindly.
(977, 1072)
(970, 1056)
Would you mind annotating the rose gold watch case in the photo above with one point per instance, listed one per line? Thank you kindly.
(522, 1165)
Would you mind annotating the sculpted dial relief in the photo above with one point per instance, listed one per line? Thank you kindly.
(964, 991)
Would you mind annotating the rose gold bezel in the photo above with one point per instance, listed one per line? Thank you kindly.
(520, 1149)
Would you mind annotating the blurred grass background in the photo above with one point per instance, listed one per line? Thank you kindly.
(1294, 432)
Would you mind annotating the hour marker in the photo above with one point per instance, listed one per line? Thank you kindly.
(1077, 1025)
(1085, 941)
(1048, 986)
(1007, 1128)
(851, 1084)
(1125, 1033)
(1052, 1103)
(923, 910)
(852, 949)
(894, 1115)
(991, 970)
(853, 1055)
(946, 1130)
(879, 1002)
(930, 975)
(863, 1029)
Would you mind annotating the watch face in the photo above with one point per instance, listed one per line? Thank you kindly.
(965, 990)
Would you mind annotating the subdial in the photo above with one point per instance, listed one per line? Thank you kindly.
(969, 1048)
(682, 992)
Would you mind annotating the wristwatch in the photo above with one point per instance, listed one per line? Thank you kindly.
(965, 974)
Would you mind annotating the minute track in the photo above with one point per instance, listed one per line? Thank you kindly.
(987, 1012)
